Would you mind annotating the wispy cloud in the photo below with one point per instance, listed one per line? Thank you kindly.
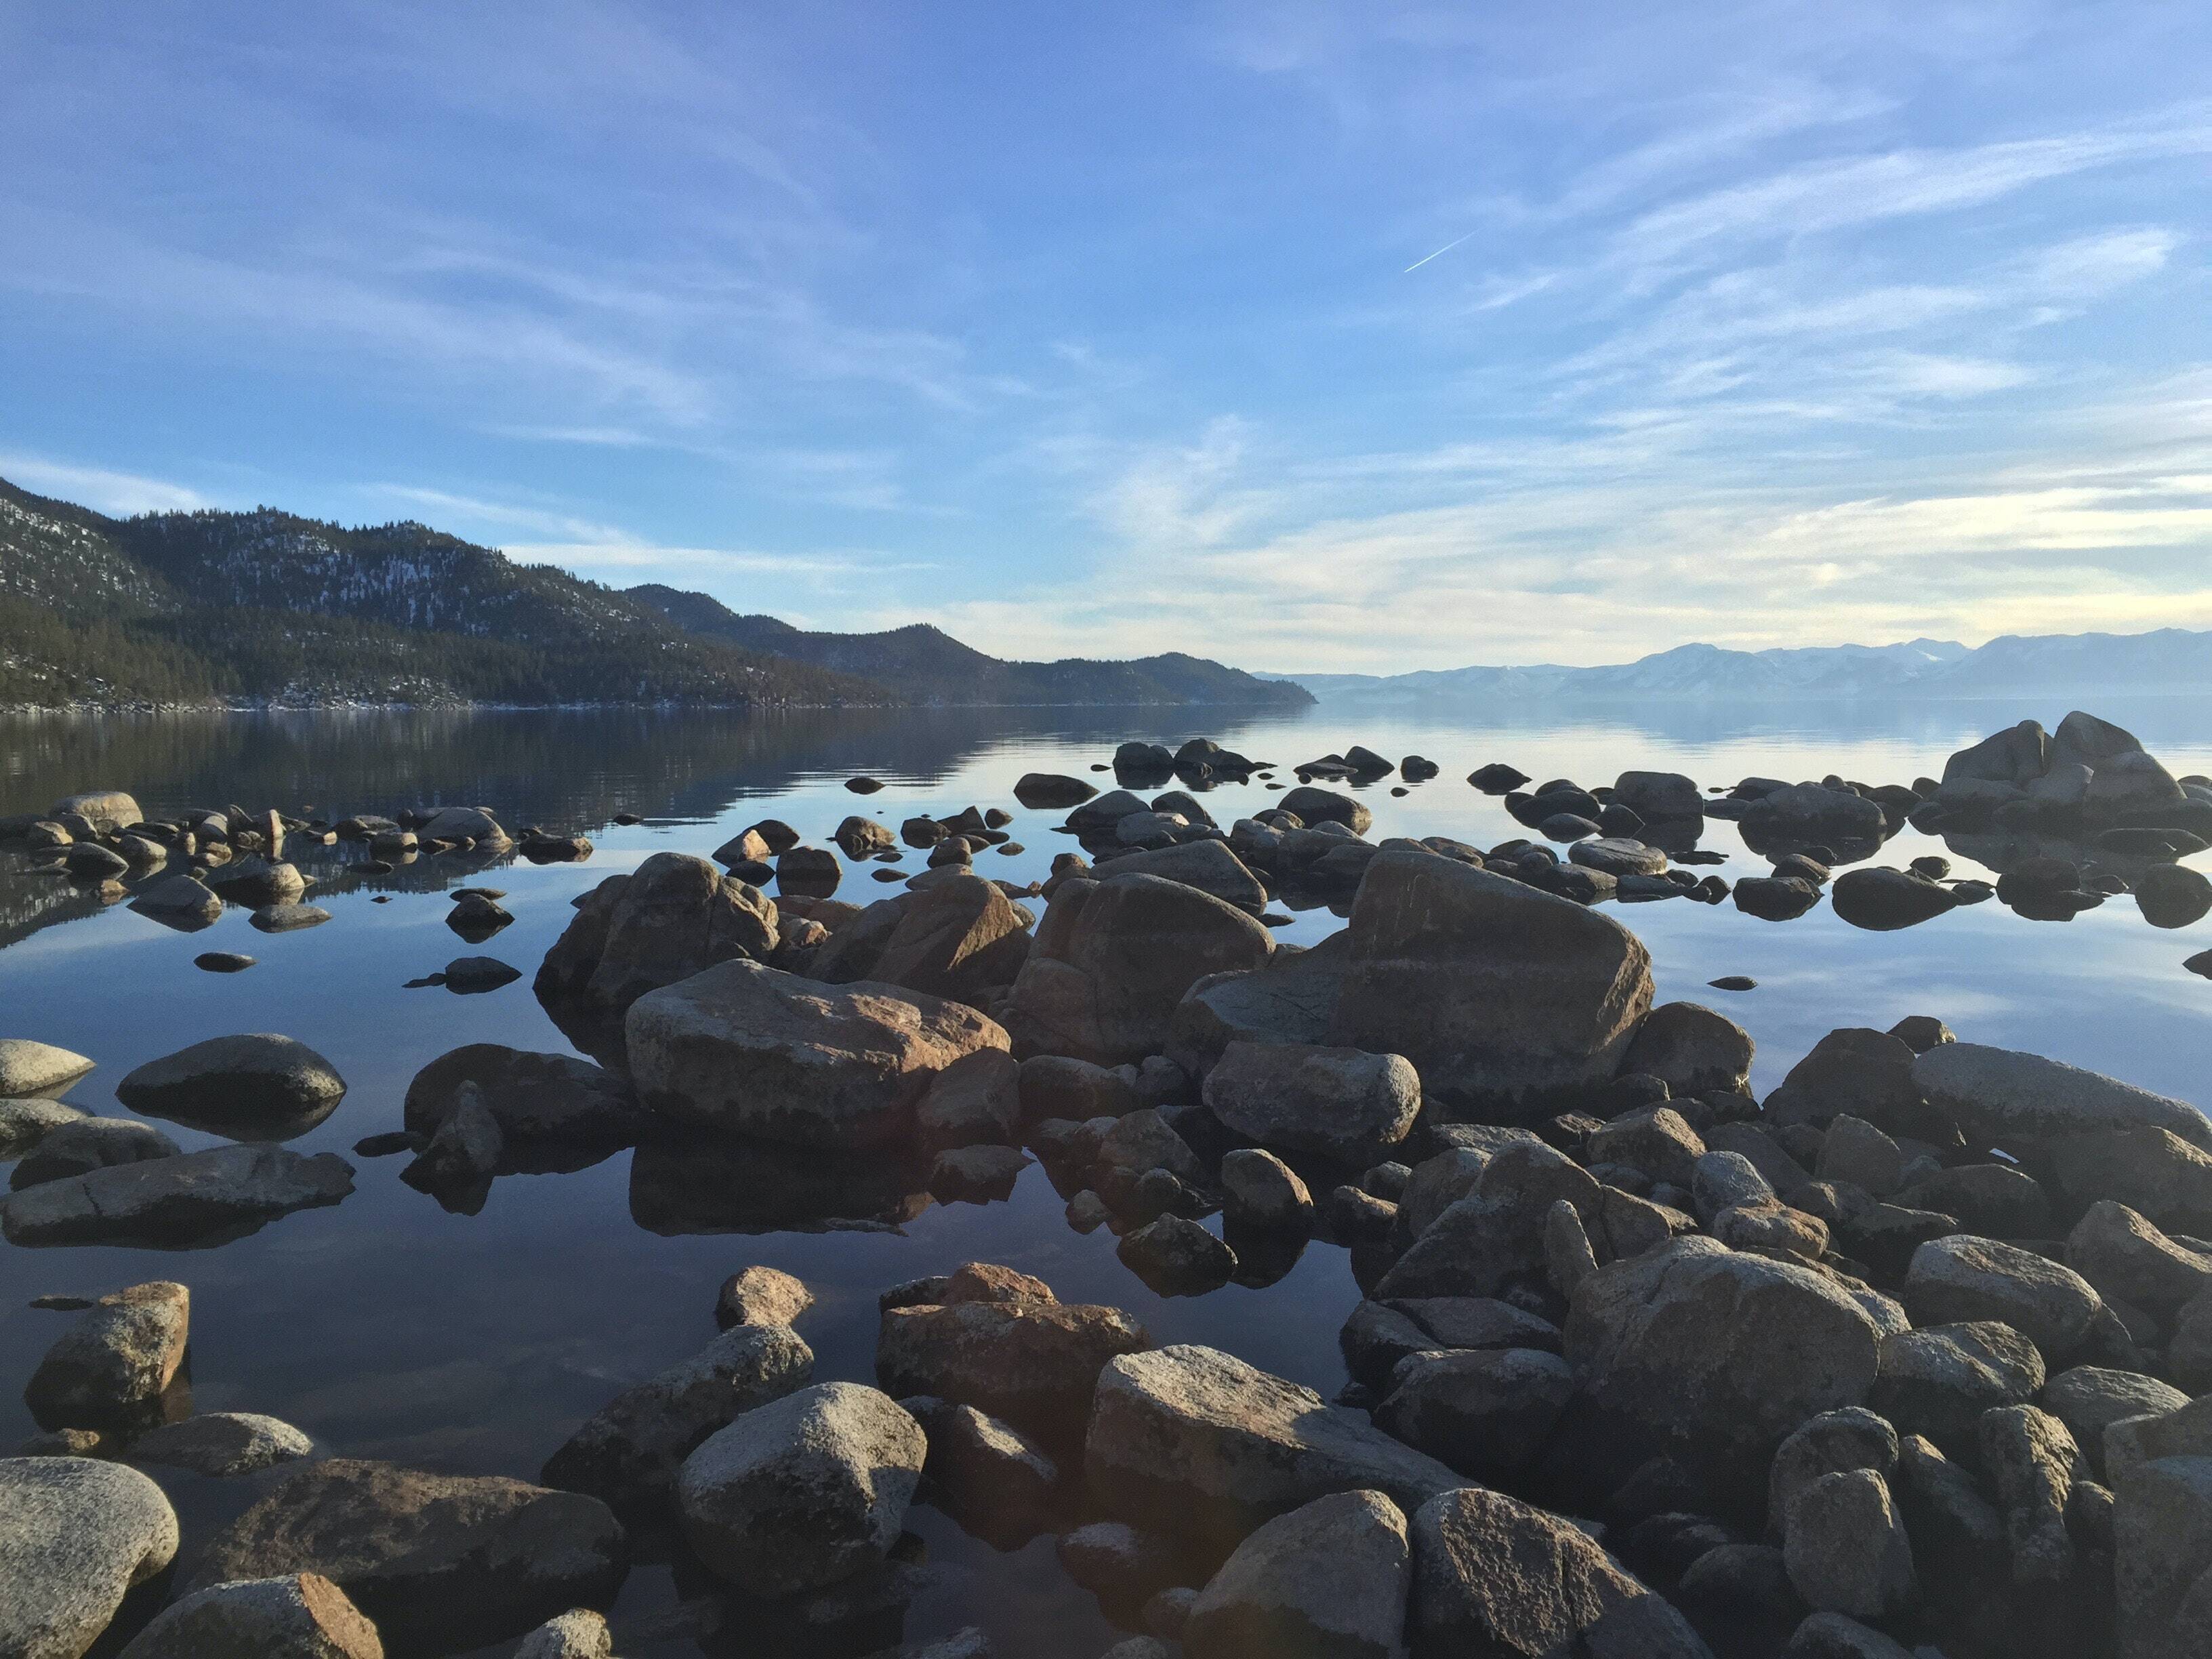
(117, 494)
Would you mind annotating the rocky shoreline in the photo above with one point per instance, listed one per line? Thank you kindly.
(1906, 1357)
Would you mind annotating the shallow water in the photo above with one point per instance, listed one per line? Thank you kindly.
(390, 1328)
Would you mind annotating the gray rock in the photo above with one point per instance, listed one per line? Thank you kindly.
(1209, 866)
(958, 936)
(538, 1101)
(1034, 1363)
(1693, 1050)
(1834, 1636)
(2031, 1461)
(1493, 1239)
(2128, 1259)
(175, 1199)
(973, 1100)
(257, 882)
(995, 1480)
(1722, 1180)
(1958, 1537)
(438, 1562)
(111, 1369)
(29, 1069)
(802, 1493)
(1259, 1190)
(1845, 1546)
(75, 1535)
(87, 1144)
(1339, 1103)
(674, 916)
(2135, 1441)
(178, 901)
(1865, 1073)
(288, 917)
(1500, 995)
(1112, 959)
(760, 1296)
(1963, 1278)
(257, 1086)
(2151, 1171)
(1618, 855)
(1197, 1442)
(1994, 1094)
(1656, 1140)
(2162, 1558)
(109, 811)
(1802, 813)
(466, 1148)
(1326, 1581)
(577, 1634)
(25, 1123)
(1288, 998)
(223, 1444)
(628, 1452)
(301, 1615)
(743, 1048)
(1853, 1150)
(1994, 1200)
(1492, 1575)
(1310, 806)
(1177, 1257)
(1939, 1380)
(472, 975)
(1853, 1438)
(1486, 1412)
(2090, 1398)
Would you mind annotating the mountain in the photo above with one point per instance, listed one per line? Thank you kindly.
(267, 608)
(2170, 659)
(930, 666)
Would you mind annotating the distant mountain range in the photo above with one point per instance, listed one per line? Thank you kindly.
(269, 609)
(930, 666)
(2171, 660)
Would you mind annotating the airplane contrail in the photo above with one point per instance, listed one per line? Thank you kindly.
(1446, 248)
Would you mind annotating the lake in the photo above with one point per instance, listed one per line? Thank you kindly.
(389, 1327)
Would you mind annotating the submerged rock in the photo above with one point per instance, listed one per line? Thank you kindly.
(194, 1196)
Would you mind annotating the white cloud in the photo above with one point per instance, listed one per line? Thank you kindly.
(119, 495)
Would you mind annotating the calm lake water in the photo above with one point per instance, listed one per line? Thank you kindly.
(474, 1344)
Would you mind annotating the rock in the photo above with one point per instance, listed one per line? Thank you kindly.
(112, 1368)
(89, 1143)
(1203, 1444)
(29, 1069)
(1853, 1150)
(1726, 1181)
(1803, 814)
(1618, 856)
(2090, 1398)
(628, 1452)
(675, 916)
(109, 811)
(1775, 898)
(1852, 1438)
(223, 1443)
(996, 1481)
(1865, 1073)
(1498, 777)
(1657, 1141)
(439, 1562)
(1921, 1032)
(1034, 1363)
(257, 882)
(1123, 1566)
(1492, 1575)
(1259, 1190)
(959, 936)
(1328, 1580)
(1310, 806)
(1963, 1278)
(1058, 1085)
(2160, 1175)
(1500, 995)
(1693, 1344)
(473, 823)
(579, 1634)
(1493, 1240)
(172, 1200)
(1051, 791)
(1339, 1103)
(800, 1493)
(473, 975)
(258, 1086)
(1938, 1380)
(1288, 998)
(1833, 1636)
(537, 1100)
(1845, 1546)
(2128, 1259)
(1486, 1412)
(1209, 866)
(975, 1174)
(1112, 959)
(1691, 1049)
(1885, 900)
(178, 901)
(2162, 1558)
(289, 918)
(25, 1123)
(1994, 1200)
(1997, 1094)
(1177, 1257)
(75, 1535)
(760, 1296)
(461, 1158)
(301, 1615)
(743, 1048)
(1958, 1537)
(2030, 1460)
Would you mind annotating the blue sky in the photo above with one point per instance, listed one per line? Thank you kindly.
(1360, 337)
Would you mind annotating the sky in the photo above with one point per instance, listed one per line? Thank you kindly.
(1354, 337)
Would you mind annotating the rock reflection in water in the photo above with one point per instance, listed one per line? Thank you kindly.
(681, 1183)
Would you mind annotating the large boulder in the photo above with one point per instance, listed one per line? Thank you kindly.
(1938, 1380)
(1208, 865)
(2162, 1558)
(1113, 957)
(959, 937)
(2150, 1169)
(1694, 1345)
(1495, 1575)
(74, 1536)
(674, 916)
(1492, 1239)
(628, 1452)
(1693, 1050)
(474, 823)
(1487, 1413)
(300, 1615)
(1326, 1581)
(1049, 791)
(1995, 1095)
(440, 1562)
(746, 1048)
(1310, 806)
(179, 901)
(1288, 998)
(536, 1099)
(2129, 1260)
(1963, 1277)
(800, 1493)
(1035, 1363)
(89, 1143)
(1340, 1103)
(169, 1200)
(256, 1086)
(1504, 998)
(111, 1369)
(1194, 1441)
(110, 811)
(1805, 814)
